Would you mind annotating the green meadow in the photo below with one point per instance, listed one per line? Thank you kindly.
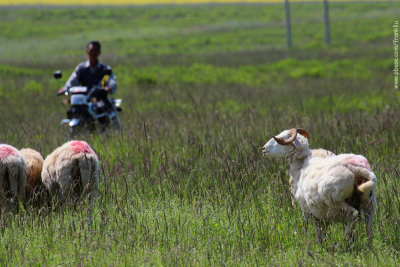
(204, 87)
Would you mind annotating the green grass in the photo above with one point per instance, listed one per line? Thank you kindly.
(203, 88)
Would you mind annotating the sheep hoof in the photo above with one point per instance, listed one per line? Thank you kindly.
(355, 215)
(350, 237)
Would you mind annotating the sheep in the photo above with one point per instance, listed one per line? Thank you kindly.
(335, 188)
(34, 162)
(71, 170)
(12, 176)
(34, 189)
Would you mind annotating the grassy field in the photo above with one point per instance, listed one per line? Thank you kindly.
(203, 88)
(149, 2)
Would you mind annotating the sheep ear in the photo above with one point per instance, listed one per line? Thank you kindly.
(297, 143)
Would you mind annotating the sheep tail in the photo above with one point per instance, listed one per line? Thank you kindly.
(365, 181)
(88, 167)
(366, 188)
(85, 168)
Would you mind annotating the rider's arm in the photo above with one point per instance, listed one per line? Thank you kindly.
(112, 83)
(73, 79)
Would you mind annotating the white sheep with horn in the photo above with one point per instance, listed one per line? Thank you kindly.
(330, 189)
(12, 176)
(71, 170)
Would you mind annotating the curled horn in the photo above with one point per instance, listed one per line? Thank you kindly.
(285, 142)
(302, 132)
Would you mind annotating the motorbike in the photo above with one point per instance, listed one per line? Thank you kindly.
(89, 108)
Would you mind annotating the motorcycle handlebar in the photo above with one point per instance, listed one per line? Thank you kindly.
(62, 92)
(92, 91)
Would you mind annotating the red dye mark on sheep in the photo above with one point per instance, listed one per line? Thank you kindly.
(358, 160)
(81, 147)
(6, 150)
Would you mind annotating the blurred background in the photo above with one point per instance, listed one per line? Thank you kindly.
(204, 86)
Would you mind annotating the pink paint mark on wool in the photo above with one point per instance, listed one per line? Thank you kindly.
(358, 160)
(81, 147)
(6, 150)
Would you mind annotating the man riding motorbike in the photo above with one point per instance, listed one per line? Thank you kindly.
(91, 73)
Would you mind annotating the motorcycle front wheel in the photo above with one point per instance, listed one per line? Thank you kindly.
(74, 131)
(82, 128)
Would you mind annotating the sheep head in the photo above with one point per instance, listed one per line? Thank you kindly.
(286, 142)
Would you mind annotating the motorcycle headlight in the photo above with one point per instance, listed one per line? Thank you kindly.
(73, 122)
(78, 99)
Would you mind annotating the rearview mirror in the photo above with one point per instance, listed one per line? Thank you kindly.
(57, 74)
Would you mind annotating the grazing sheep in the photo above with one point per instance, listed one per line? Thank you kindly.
(35, 191)
(70, 170)
(330, 189)
(34, 162)
(12, 176)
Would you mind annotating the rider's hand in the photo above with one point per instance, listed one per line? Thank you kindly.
(61, 91)
(107, 89)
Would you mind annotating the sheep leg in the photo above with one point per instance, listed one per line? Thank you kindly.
(291, 189)
(13, 178)
(352, 217)
(319, 226)
(85, 168)
(307, 217)
(3, 172)
(306, 220)
(368, 217)
(320, 230)
(94, 179)
(21, 183)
